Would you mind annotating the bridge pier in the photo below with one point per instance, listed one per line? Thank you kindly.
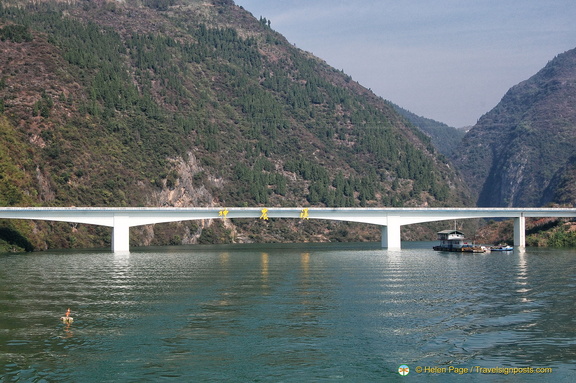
(121, 234)
(520, 233)
(391, 234)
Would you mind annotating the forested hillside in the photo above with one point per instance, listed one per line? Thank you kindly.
(192, 103)
(521, 153)
(445, 138)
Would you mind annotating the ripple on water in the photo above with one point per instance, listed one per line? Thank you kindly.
(281, 313)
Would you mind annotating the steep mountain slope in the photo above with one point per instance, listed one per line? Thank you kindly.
(192, 103)
(521, 152)
(445, 138)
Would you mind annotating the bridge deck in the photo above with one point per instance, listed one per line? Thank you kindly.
(391, 219)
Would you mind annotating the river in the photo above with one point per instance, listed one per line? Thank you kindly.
(288, 313)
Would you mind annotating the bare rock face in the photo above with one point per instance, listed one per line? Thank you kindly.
(181, 190)
(516, 154)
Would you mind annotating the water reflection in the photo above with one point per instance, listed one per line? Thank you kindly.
(264, 261)
(67, 330)
(224, 258)
(305, 263)
(522, 277)
(121, 258)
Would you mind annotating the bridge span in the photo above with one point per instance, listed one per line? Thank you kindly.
(390, 219)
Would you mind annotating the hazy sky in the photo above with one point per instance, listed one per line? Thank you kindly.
(450, 60)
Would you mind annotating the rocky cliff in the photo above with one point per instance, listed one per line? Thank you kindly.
(521, 152)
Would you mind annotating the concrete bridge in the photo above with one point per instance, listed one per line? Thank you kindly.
(390, 219)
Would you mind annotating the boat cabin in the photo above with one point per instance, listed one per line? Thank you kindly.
(451, 239)
(446, 235)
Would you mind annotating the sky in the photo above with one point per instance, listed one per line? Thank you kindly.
(449, 60)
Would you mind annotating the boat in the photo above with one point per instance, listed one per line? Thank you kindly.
(453, 240)
(501, 248)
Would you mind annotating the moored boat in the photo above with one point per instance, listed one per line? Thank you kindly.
(453, 240)
(501, 248)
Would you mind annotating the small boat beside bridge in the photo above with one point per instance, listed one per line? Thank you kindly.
(501, 248)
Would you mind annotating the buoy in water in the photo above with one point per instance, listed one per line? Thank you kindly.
(67, 318)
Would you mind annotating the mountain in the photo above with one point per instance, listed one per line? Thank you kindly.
(445, 138)
(192, 103)
(521, 153)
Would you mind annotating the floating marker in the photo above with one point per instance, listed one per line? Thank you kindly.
(67, 318)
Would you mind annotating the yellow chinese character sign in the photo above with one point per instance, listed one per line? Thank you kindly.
(264, 214)
(304, 213)
(223, 213)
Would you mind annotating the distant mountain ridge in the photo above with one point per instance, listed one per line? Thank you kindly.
(445, 138)
(521, 153)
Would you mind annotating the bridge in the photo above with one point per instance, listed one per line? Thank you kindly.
(390, 219)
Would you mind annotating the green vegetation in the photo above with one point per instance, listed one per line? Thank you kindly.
(445, 138)
(15, 166)
(11, 239)
(15, 33)
(557, 233)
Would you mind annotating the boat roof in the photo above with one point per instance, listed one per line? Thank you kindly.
(451, 231)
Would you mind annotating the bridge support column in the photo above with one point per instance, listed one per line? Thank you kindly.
(391, 234)
(520, 233)
(121, 235)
